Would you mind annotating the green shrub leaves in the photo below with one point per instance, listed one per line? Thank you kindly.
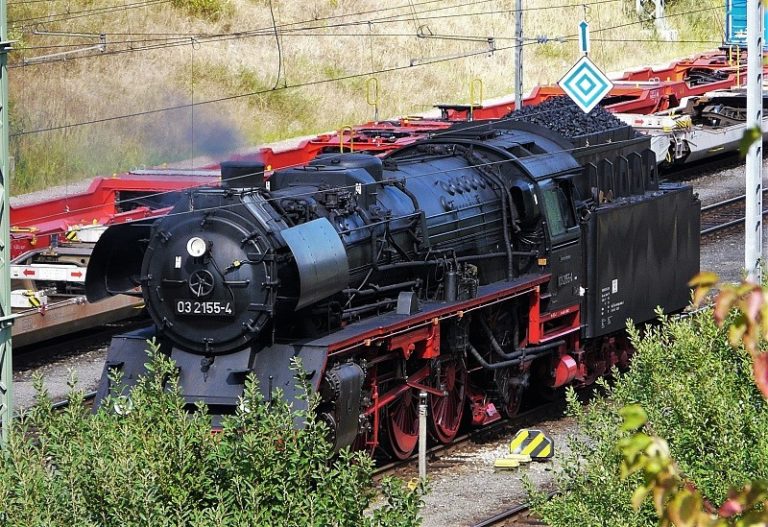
(687, 385)
(147, 461)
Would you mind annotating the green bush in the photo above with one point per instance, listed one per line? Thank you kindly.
(698, 393)
(147, 462)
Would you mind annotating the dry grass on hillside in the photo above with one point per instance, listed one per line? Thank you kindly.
(159, 55)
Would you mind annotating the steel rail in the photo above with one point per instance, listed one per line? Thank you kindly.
(509, 513)
(723, 205)
(61, 405)
(479, 432)
(504, 515)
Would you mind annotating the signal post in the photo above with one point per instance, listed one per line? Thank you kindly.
(6, 318)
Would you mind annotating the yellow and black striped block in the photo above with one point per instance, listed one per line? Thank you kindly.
(32, 298)
(534, 443)
(72, 236)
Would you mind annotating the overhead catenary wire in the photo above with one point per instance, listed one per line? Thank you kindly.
(202, 38)
(88, 12)
(350, 187)
(279, 46)
(288, 27)
(187, 41)
(538, 39)
(25, 2)
(297, 85)
(97, 11)
(257, 92)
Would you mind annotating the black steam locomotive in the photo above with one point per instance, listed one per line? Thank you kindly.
(489, 259)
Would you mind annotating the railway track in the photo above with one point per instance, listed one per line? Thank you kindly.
(516, 515)
(480, 435)
(64, 404)
(442, 457)
(724, 215)
(693, 171)
(71, 345)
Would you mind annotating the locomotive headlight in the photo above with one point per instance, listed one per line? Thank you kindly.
(196, 247)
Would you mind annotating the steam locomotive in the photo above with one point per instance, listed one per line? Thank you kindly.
(486, 261)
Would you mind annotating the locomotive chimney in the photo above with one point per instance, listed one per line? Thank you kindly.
(242, 174)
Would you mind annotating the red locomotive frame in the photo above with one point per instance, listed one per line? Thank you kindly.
(416, 338)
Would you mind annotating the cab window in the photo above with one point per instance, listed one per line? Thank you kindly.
(560, 216)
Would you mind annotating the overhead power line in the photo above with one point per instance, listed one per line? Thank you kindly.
(470, 126)
(304, 84)
(25, 2)
(190, 39)
(539, 39)
(290, 26)
(97, 11)
(258, 92)
(89, 12)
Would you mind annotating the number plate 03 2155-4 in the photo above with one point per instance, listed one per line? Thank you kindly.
(208, 308)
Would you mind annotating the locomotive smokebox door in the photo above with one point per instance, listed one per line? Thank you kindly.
(320, 258)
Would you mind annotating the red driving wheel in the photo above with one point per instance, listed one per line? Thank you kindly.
(402, 419)
(446, 412)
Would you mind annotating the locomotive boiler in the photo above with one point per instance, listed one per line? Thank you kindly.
(476, 265)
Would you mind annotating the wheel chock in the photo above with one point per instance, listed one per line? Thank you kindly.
(505, 463)
(533, 443)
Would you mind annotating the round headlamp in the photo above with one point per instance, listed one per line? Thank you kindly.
(196, 247)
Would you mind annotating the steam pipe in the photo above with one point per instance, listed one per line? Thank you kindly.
(507, 241)
(518, 352)
(415, 263)
(504, 220)
(374, 289)
(494, 255)
(543, 350)
(468, 258)
(422, 216)
(349, 313)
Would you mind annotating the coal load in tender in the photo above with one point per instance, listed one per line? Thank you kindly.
(562, 115)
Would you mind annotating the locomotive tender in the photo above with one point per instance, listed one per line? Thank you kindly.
(486, 260)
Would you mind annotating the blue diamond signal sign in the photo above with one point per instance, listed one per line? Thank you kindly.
(585, 84)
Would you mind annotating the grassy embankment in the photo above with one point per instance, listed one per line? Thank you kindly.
(130, 78)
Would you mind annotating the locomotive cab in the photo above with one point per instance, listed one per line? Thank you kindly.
(565, 250)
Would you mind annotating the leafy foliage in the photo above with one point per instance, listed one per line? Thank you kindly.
(750, 137)
(750, 326)
(146, 461)
(697, 391)
(677, 501)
